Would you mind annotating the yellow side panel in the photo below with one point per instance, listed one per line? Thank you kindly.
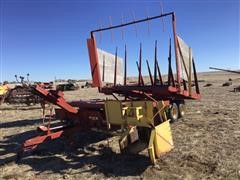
(113, 112)
(163, 141)
(142, 113)
(146, 113)
(147, 108)
(151, 149)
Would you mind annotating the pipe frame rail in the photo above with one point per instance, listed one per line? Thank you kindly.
(92, 46)
(178, 69)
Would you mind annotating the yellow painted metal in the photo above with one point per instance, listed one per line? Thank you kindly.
(163, 139)
(160, 141)
(141, 114)
(134, 113)
(128, 136)
(151, 148)
(113, 110)
(123, 141)
(3, 89)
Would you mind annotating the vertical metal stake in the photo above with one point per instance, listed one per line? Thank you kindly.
(103, 71)
(149, 71)
(125, 66)
(140, 65)
(155, 64)
(115, 69)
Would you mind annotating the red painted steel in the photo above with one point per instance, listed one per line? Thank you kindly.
(84, 115)
(32, 143)
(79, 115)
(90, 114)
(55, 97)
(157, 92)
(162, 91)
(178, 66)
(95, 70)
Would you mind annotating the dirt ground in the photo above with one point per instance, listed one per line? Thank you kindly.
(206, 140)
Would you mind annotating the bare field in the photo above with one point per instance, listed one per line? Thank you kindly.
(207, 143)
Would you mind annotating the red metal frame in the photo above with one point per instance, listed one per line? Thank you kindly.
(171, 90)
(83, 115)
(55, 97)
(79, 116)
(49, 134)
(95, 70)
(176, 51)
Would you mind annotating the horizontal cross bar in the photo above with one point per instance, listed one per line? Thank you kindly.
(132, 22)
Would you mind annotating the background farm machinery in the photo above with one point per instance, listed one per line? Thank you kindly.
(142, 111)
(71, 85)
(23, 92)
(4, 89)
(226, 70)
(237, 88)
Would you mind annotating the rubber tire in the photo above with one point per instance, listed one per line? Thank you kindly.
(181, 110)
(173, 112)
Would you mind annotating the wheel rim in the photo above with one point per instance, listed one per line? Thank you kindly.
(182, 109)
(174, 113)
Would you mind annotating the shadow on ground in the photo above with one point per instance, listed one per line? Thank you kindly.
(107, 162)
(58, 156)
(20, 123)
(22, 108)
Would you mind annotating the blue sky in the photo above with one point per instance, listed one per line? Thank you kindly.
(47, 38)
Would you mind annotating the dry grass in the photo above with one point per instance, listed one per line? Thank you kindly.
(207, 143)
